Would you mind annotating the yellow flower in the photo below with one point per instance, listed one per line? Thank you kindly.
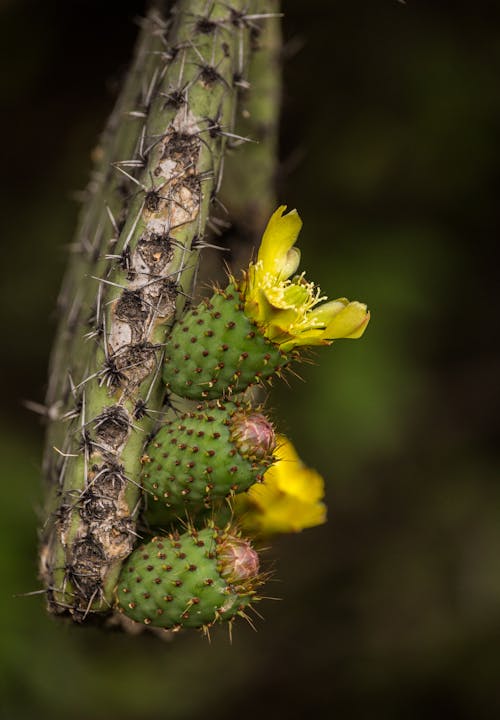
(289, 310)
(288, 500)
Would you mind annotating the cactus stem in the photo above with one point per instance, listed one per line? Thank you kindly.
(159, 167)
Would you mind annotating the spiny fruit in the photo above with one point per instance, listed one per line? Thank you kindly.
(204, 456)
(215, 350)
(190, 580)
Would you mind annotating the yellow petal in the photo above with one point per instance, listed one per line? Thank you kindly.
(308, 337)
(292, 262)
(350, 322)
(285, 450)
(289, 515)
(288, 500)
(264, 494)
(279, 237)
(324, 313)
(306, 485)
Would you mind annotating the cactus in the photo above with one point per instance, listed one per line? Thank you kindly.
(204, 456)
(191, 580)
(136, 254)
(124, 455)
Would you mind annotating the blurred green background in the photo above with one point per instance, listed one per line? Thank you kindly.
(390, 151)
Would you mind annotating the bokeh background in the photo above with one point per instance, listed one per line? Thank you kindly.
(390, 149)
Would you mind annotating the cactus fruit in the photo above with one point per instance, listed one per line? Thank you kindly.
(216, 350)
(204, 456)
(190, 580)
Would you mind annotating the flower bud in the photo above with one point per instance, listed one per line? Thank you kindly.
(238, 560)
(253, 435)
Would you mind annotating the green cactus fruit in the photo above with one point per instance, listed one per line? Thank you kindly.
(215, 350)
(204, 456)
(191, 580)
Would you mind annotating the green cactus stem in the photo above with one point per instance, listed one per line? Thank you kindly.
(249, 185)
(204, 456)
(191, 580)
(134, 263)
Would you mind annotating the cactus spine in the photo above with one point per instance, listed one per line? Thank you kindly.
(160, 168)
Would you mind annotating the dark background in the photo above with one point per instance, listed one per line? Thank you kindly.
(390, 148)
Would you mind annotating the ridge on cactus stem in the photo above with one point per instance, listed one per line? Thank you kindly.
(289, 499)
(291, 312)
(255, 327)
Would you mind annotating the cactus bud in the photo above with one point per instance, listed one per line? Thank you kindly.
(253, 435)
(238, 560)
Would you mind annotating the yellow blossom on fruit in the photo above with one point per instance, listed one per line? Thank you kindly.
(290, 310)
(289, 499)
